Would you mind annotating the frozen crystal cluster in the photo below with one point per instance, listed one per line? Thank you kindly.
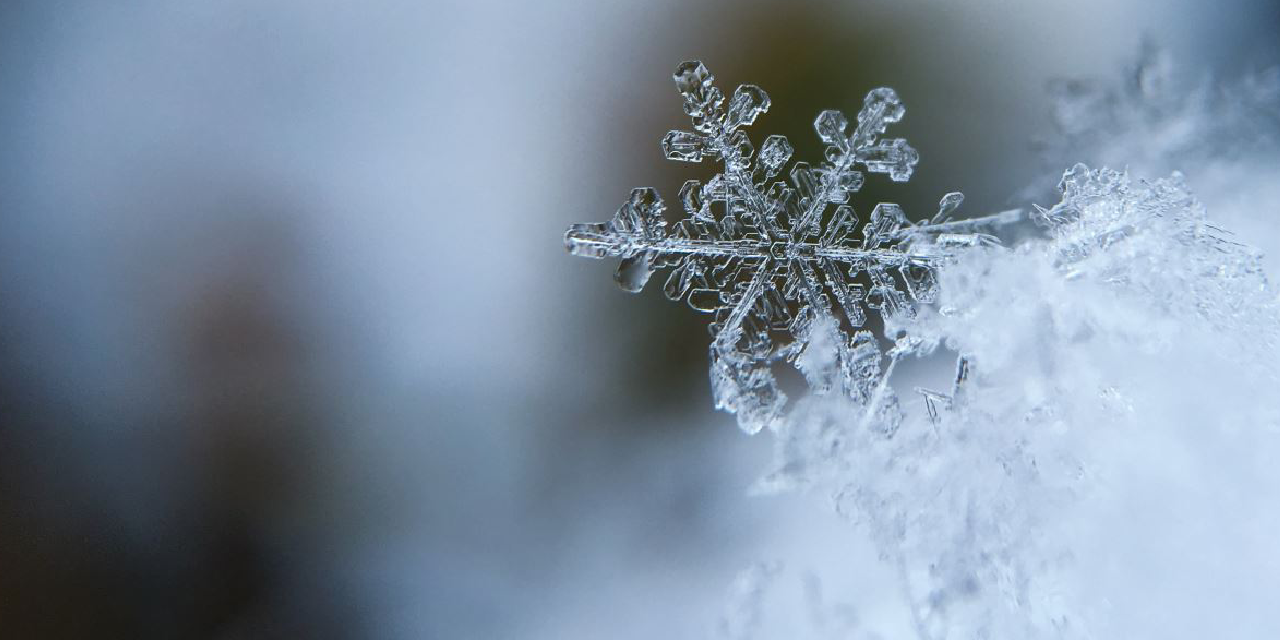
(786, 267)
(1102, 229)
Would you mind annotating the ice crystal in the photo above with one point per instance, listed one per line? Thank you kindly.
(1101, 213)
(779, 263)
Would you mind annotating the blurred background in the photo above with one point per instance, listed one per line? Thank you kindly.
(290, 346)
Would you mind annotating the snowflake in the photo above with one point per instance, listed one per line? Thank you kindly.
(776, 262)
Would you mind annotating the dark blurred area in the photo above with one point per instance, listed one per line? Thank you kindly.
(289, 345)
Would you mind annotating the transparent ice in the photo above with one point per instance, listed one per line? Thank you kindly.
(785, 266)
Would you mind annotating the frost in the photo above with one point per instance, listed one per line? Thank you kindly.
(1089, 358)
(785, 267)
(1101, 229)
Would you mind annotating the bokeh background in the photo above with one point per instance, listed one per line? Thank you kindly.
(290, 346)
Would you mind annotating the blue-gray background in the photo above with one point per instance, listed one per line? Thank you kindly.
(289, 344)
